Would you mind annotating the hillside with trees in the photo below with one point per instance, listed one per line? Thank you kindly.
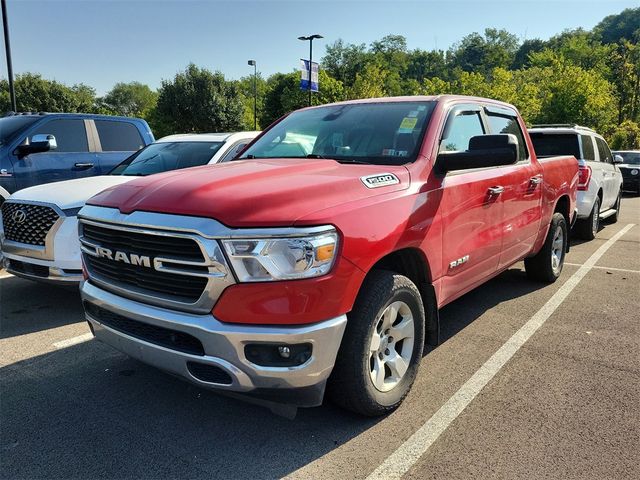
(587, 77)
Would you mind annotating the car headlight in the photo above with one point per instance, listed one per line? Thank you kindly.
(288, 257)
(634, 172)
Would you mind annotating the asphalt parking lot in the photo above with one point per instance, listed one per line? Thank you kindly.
(564, 404)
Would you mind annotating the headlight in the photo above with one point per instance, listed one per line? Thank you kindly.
(282, 258)
(634, 172)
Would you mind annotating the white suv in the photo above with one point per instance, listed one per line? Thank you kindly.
(599, 182)
(39, 226)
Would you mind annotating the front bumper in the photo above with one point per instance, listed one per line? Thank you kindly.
(223, 348)
(46, 272)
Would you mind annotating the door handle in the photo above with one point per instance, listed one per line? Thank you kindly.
(496, 190)
(535, 180)
(83, 166)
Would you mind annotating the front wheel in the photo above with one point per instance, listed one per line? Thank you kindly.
(382, 346)
(547, 265)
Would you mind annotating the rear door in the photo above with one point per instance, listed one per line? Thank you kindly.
(115, 140)
(471, 215)
(522, 194)
(71, 159)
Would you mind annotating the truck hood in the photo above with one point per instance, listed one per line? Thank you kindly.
(274, 192)
(70, 193)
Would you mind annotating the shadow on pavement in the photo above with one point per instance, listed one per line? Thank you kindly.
(27, 307)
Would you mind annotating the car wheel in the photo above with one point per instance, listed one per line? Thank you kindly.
(382, 346)
(587, 228)
(546, 265)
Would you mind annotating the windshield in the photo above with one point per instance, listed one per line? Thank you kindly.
(10, 126)
(385, 133)
(165, 156)
(631, 158)
(555, 144)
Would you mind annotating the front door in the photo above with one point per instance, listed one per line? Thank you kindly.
(472, 211)
(71, 158)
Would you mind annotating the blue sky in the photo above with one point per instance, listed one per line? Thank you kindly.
(101, 42)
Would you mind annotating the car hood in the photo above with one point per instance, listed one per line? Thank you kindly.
(274, 192)
(69, 193)
(628, 165)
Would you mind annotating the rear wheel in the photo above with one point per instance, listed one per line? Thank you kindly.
(382, 346)
(547, 265)
(587, 228)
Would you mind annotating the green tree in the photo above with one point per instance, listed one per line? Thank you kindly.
(370, 83)
(36, 94)
(197, 100)
(521, 58)
(624, 25)
(284, 95)
(478, 53)
(343, 61)
(625, 136)
(132, 99)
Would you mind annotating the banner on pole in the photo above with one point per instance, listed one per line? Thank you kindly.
(304, 75)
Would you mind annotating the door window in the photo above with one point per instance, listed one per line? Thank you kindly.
(118, 136)
(588, 153)
(603, 150)
(459, 131)
(235, 150)
(506, 124)
(71, 136)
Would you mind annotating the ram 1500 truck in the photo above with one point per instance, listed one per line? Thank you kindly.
(321, 256)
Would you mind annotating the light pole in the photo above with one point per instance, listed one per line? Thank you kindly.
(310, 39)
(255, 93)
(7, 46)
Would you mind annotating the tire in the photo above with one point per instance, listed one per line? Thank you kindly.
(614, 218)
(587, 228)
(546, 265)
(352, 385)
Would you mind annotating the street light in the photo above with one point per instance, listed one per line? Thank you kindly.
(255, 92)
(310, 40)
(7, 46)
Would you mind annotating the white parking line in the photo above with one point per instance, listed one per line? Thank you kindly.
(73, 341)
(400, 461)
(624, 270)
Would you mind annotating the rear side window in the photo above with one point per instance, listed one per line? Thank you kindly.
(459, 131)
(549, 145)
(506, 124)
(118, 136)
(71, 136)
(587, 148)
(603, 150)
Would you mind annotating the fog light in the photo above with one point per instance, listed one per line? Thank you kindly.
(285, 352)
(278, 355)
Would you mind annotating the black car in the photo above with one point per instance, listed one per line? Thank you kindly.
(630, 169)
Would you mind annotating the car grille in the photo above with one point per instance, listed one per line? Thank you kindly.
(209, 373)
(34, 225)
(626, 173)
(184, 288)
(165, 337)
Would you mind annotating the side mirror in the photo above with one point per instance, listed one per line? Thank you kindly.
(37, 144)
(484, 151)
(618, 159)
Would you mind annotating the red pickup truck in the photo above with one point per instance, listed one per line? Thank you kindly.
(320, 258)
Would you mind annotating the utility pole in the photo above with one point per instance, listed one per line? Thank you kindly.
(255, 93)
(7, 46)
(310, 39)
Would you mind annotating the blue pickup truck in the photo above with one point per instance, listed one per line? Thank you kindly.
(48, 147)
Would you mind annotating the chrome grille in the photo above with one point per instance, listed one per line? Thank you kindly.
(158, 267)
(27, 223)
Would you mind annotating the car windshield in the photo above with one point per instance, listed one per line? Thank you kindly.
(165, 156)
(548, 144)
(384, 133)
(11, 126)
(631, 158)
